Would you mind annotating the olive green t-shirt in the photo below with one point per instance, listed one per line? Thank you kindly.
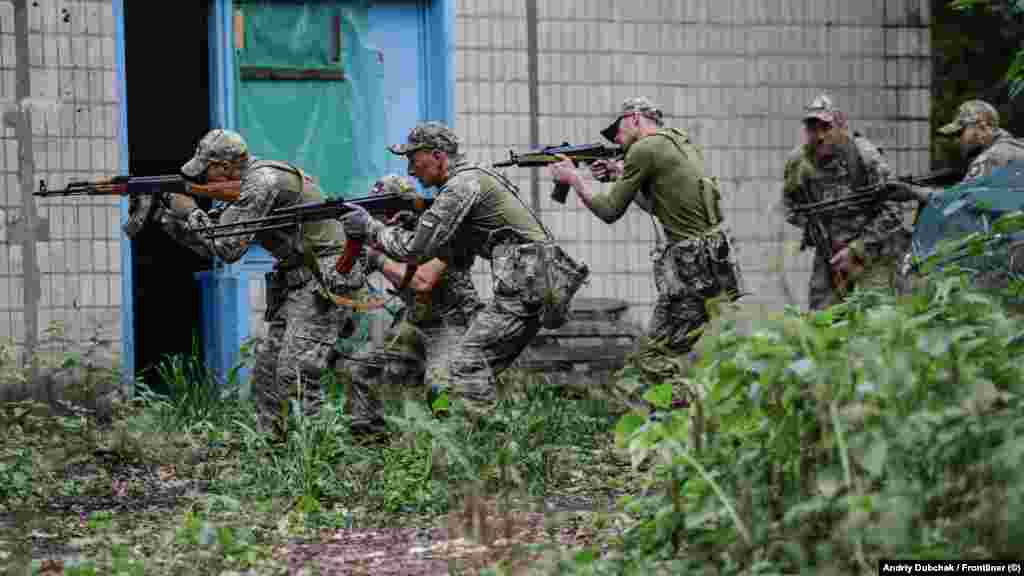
(669, 176)
(496, 208)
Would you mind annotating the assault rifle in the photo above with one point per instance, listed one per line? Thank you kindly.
(139, 185)
(817, 214)
(816, 230)
(292, 217)
(860, 199)
(585, 153)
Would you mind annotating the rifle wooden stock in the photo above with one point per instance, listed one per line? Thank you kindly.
(224, 191)
(228, 191)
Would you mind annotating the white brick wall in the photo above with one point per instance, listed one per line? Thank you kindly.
(734, 73)
(74, 121)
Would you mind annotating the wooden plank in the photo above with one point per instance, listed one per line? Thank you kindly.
(239, 29)
(279, 73)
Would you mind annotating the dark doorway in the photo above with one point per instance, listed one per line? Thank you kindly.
(168, 100)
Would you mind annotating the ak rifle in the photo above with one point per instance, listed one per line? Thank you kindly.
(293, 217)
(585, 153)
(140, 185)
(817, 231)
(860, 199)
(818, 214)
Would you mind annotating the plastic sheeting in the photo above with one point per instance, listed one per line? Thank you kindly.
(331, 128)
(966, 210)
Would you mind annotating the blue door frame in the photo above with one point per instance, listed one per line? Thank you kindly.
(225, 289)
(127, 301)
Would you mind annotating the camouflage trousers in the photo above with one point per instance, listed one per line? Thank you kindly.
(881, 272)
(495, 338)
(689, 275)
(296, 354)
(463, 359)
(405, 366)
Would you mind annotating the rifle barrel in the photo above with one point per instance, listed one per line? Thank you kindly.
(239, 230)
(250, 226)
(292, 216)
(834, 205)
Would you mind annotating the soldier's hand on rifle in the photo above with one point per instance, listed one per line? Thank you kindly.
(564, 171)
(374, 259)
(905, 191)
(842, 261)
(181, 204)
(404, 218)
(606, 170)
(357, 222)
(849, 260)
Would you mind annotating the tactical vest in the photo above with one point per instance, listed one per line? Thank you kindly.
(837, 181)
(293, 189)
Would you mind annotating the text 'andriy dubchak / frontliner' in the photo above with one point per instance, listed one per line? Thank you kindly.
(944, 567)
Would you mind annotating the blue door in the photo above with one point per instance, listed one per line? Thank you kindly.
(395, 60)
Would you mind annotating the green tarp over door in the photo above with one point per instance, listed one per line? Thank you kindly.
(309, 90)
(309, 93)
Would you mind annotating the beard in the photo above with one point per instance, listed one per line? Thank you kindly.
(969, 151)
(824, 151)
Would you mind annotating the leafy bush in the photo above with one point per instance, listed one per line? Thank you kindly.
(883, 427)
(880, 428)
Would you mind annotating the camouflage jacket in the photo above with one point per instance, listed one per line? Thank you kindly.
(853, 166)
(1003, 150)
(266, 186)
(470, 215)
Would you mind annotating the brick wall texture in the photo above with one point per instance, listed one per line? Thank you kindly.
(734, 73)
(74, 115)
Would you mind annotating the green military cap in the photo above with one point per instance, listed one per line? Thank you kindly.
(971, 112)
(821, 108)
(637, 104)
(217, 144)
(428, 135)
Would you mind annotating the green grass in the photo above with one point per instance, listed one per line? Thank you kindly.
(247, 496)
(881, 427)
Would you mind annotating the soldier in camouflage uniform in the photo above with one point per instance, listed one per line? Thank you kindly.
(866, 246)
(663, 173)
(982, 142)
(987, 147)
(304, 324)
(439, 303)
(476, 212)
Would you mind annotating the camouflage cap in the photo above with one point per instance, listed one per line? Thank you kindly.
(636, 104)
(393, 184)
(821, 108)
(217, 144)
(428, 135)
(971, 112)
